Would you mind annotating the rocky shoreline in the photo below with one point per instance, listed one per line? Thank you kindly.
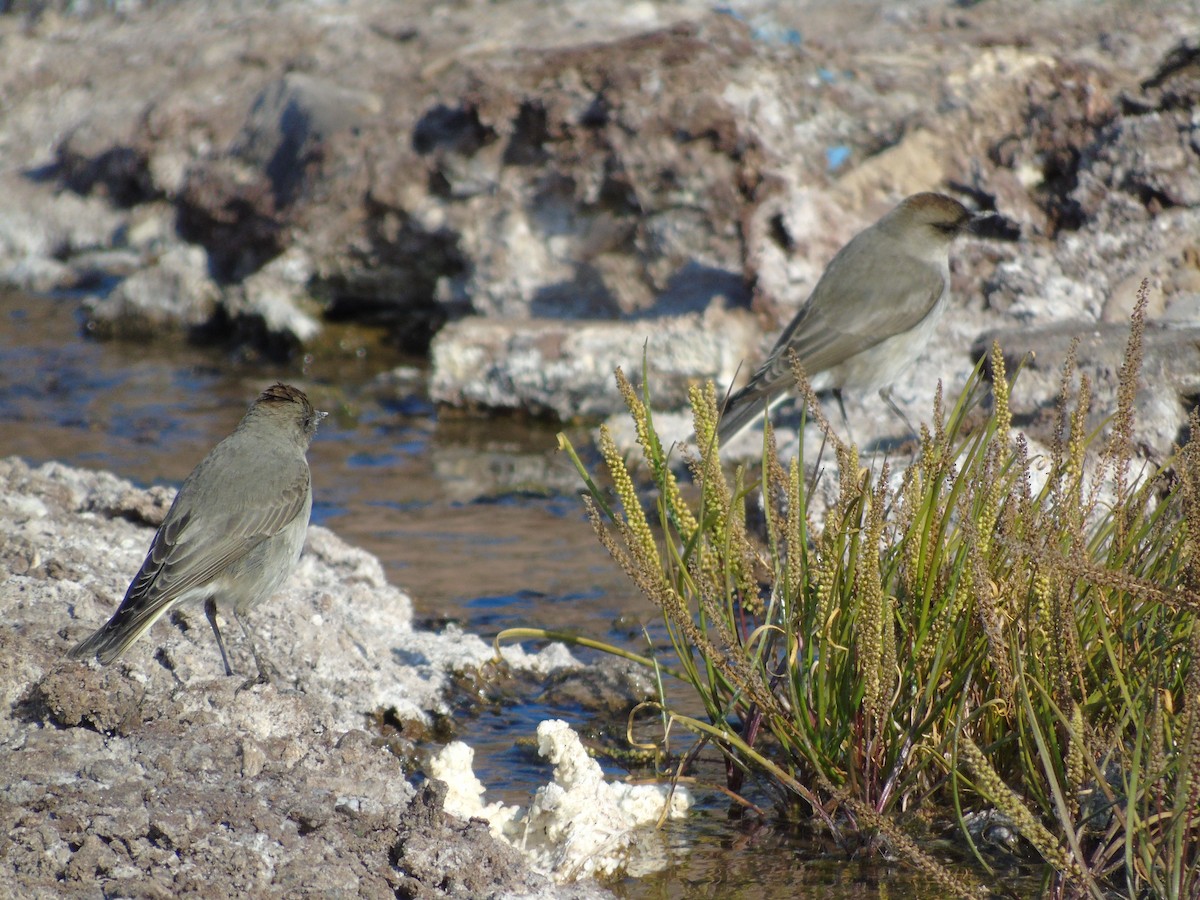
(156, 777)
(531, 198)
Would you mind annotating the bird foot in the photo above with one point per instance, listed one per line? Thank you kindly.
(260, 678)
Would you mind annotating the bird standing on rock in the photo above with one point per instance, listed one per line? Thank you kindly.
(234, 532)
(871, 314)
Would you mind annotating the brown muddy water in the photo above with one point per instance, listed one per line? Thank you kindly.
(478, 519)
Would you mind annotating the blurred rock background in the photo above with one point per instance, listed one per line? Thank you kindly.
(528, 193)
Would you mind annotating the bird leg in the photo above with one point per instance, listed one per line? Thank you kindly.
(261, 662)
(886, 394)
(210, 611)
(837, 395)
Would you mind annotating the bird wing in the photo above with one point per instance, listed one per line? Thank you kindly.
(827, 333)
(191, 549)
(831, 329)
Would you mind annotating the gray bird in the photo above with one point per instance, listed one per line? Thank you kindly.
(871, 314)
(234, 532)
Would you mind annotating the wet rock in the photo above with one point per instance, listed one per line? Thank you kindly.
(566, 369)
(578, 825)
(399, 277)
(39, 234)
(441, 855)
(176, 290)
(277, 295)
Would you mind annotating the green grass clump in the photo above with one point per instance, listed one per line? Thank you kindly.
(975, 638)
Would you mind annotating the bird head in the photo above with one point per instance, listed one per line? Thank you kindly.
(926, 224)
(282, 402)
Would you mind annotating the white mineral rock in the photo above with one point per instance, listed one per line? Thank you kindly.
(578, 825)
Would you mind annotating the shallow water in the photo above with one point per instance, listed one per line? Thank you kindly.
(477, 519)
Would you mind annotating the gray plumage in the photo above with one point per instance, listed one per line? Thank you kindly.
(234, 532)
(870, 315)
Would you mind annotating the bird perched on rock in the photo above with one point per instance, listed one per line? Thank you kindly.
(870, 315)
(234, 532)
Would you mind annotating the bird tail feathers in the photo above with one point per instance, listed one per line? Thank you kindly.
(740, 412)
(116, 635)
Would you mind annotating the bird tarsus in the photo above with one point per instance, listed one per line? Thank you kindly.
(263, 664)
(886, 394)
(210, 612)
